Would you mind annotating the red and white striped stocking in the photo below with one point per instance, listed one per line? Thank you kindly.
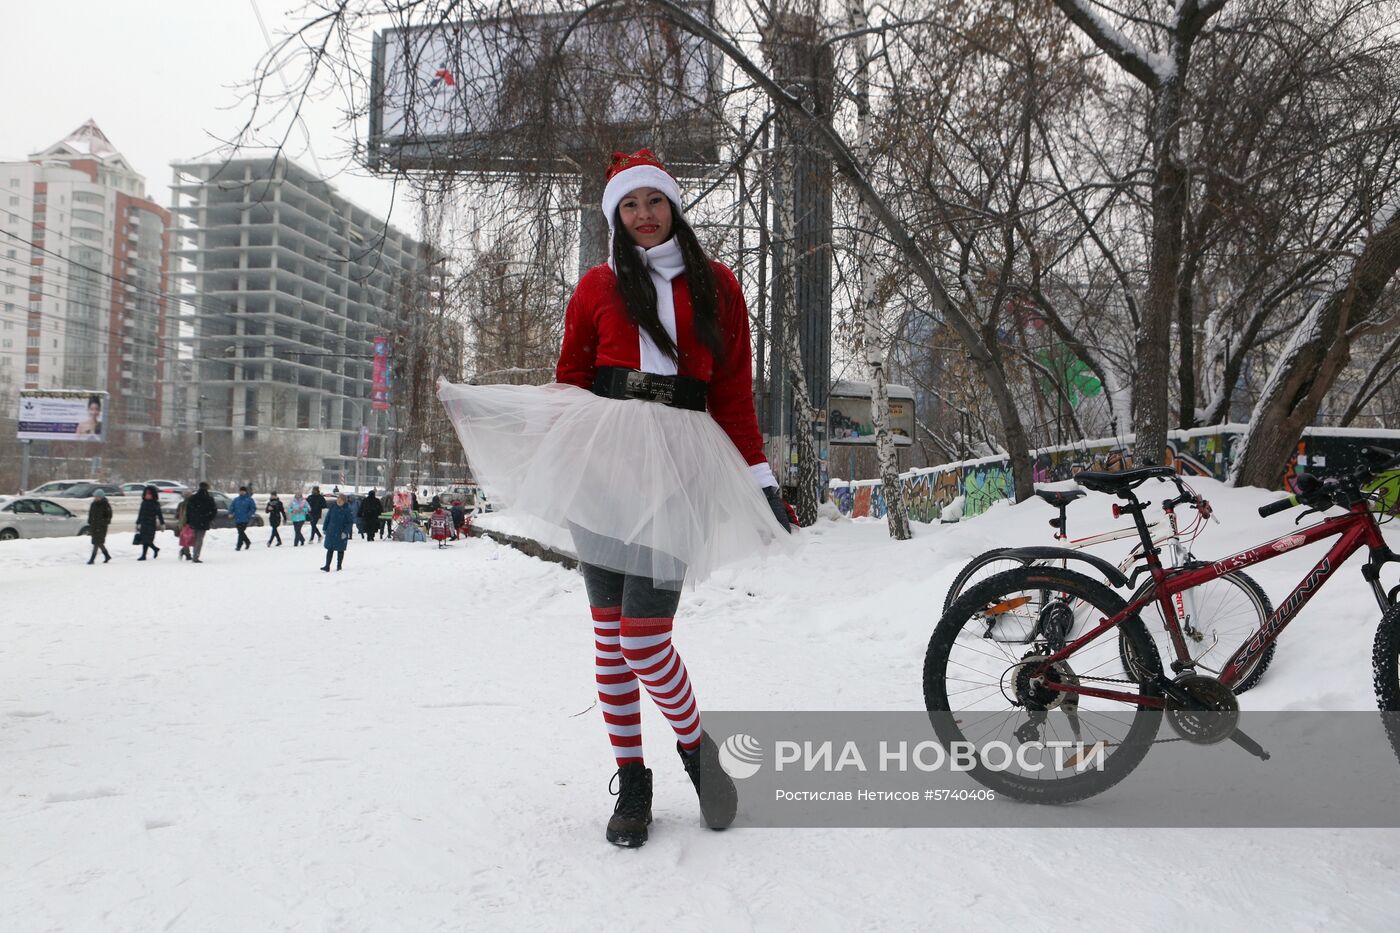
(646, 646)
(618, 695)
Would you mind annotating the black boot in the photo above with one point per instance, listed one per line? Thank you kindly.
(719, 801)
(632, 815)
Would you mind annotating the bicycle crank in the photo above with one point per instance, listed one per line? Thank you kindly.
(1201, 709)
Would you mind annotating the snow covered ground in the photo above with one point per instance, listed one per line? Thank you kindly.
(251, 744)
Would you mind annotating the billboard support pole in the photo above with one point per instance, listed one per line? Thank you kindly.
(24, 465)
(592, 225)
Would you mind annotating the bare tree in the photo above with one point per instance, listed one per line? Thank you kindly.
(1164, 74)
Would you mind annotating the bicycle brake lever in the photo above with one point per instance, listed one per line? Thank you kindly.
(1249, 745)
(1305, 513)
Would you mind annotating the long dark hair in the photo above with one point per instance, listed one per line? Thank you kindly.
(639, 294)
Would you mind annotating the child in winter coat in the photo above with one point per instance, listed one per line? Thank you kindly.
(297, 513)
(440, 524)
(276, 512)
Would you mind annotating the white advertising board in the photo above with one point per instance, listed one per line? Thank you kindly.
(61, 415)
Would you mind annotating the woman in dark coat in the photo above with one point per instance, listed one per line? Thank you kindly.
(147, 519)
(337, 528)
(99, 517)
(369, 516)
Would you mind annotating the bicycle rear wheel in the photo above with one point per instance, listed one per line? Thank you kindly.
(1216, 618)
(981, 687)
(984, 565)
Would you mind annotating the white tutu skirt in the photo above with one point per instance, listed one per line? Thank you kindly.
(642, 487)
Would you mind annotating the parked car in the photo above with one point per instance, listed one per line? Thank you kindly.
(472, 497)
(56, 487)
(38, 518)
(167, 490)
(87, 490)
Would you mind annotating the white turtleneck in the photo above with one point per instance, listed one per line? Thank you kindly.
(663, 263)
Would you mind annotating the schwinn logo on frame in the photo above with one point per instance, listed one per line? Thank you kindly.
(1289, 609)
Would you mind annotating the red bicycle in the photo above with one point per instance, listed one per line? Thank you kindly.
(1022, 658)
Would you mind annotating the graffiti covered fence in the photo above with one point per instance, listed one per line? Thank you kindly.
(978, 484)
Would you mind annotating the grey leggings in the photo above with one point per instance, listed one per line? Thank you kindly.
(638, 596)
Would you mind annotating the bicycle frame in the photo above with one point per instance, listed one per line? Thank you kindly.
(1354, 530)
(1184, 603)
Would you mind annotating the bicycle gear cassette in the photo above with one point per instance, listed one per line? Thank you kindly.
(1216, 712)
(1039, 693)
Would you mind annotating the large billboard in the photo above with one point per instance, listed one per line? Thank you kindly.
(62, 415)
(532, 90)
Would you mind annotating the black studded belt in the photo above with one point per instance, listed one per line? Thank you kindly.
(676, 391)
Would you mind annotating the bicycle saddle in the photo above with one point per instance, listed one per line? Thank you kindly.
(1121, 481)
(1060, 498)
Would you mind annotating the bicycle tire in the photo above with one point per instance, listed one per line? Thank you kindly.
(978, 563)
(1129, 749)
(1263, 610)
(1385, 670)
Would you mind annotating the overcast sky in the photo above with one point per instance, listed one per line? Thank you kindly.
(159, 77)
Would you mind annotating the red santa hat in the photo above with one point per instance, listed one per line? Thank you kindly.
(640, 169)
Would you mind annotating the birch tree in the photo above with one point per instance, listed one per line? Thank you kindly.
(866, 313)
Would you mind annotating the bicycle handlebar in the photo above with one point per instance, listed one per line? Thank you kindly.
(1282, 505)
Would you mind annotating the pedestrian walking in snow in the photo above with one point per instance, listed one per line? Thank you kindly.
(317, 502)
(369, 516)
(440, 526)
(200, 515)
(276, 514)
(182, 522)
(148, 517)
(242, 509)
(99, 519)
(647, 450)
(297, 512)
(459, 519)
(339, 526)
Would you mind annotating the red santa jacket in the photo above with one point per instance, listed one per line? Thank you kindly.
(599, 332)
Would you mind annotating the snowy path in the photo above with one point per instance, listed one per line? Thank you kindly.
(408, 745)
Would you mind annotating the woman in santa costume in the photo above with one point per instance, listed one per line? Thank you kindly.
(647, 451)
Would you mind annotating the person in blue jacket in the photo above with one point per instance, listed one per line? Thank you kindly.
(337, 529)
(243, 509)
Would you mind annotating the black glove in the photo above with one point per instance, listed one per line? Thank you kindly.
(779, 507)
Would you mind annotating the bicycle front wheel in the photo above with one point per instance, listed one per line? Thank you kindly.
(982, 685)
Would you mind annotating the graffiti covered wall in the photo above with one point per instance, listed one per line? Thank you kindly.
(1201, 452)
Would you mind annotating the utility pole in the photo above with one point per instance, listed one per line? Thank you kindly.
(199, 437)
